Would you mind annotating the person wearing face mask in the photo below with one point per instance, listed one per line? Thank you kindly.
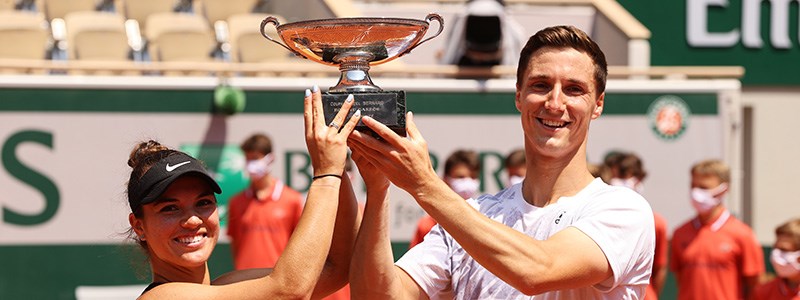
(515, 166)
(630, 173)
(461, 171)
(264, 215)
(785, 259)
(714, 255)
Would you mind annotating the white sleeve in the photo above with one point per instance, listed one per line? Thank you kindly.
(429, 262)
(621, 222)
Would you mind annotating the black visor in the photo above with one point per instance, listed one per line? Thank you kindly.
(156, 180)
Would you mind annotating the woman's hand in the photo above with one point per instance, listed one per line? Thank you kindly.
(327, 143)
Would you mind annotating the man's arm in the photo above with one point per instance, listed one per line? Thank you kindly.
(378, 277)
(568, 259)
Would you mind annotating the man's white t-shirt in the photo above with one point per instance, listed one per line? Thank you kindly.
(618, 219)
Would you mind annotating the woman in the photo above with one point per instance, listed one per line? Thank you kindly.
(175, 218)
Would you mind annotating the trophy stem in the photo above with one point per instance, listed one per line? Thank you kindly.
(354, 68)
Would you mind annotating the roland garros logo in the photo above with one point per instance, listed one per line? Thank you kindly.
(668, 117)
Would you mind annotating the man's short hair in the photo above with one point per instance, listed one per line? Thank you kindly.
(515, 159)
(564, 37)
(257, 142)
(790, 229)
(632, 165)
(713, 167)
(465, 157)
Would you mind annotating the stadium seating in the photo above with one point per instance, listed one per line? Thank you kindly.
(179, 37)
(139, 10)
(26, 31)
(95, 35)
(59, 8)
(7, 4)
(247, 44)
(221, 10)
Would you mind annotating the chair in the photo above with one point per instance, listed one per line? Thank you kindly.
(221, 10)
(247, 44)
(59, 8)
(23, 35)
(139, 10)
(179, 37)
(8, 5)
(95, 35)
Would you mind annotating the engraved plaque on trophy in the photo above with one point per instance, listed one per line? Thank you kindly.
(355, 44)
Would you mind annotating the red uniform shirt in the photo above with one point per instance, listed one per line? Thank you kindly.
(711, 260)
(423, 227)
(260, 228)
(777, 289)
(660, 258)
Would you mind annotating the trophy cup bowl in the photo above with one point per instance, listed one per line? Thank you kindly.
(355, 44)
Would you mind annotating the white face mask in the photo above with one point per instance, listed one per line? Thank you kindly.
(785, 263)
(259, 168)
(631, 183)
(465, 187)
(704, 200)
(514, 179)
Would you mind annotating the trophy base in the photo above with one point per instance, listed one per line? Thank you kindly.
(387, 107)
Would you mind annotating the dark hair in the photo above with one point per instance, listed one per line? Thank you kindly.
(564, 37)
(515, 159)
(257, 142)
(610, 166)
(465, 157)
(143, 156)
(631, 165)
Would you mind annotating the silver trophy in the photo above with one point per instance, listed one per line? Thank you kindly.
(355, 44)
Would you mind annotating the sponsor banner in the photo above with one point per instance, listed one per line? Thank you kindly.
(762, 36)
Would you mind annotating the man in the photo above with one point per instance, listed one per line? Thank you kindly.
(561, 234)
(785, 260)
(714, 255)
(263, 216)
(461, 170)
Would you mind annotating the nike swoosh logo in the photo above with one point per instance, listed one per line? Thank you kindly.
(172, 168)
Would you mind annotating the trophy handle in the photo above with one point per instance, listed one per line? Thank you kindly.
(430, 17)
(274, 20)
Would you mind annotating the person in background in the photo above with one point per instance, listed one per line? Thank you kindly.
(461, 170)
(561, 234)
(610, 166)
(785, 259)
(631, 172)
(174, 218)
(714, 255)
(515, 166)
(262, 217)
